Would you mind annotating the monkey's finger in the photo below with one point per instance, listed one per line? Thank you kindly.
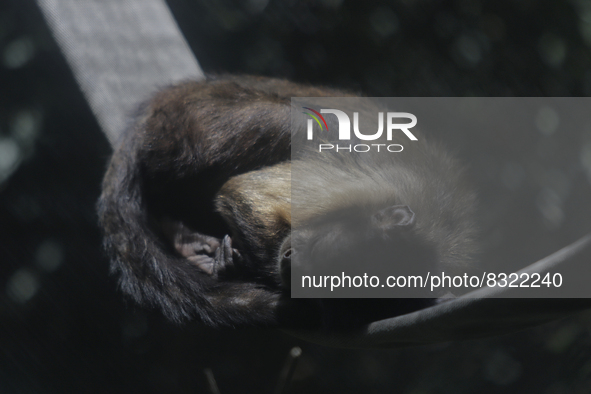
(204, 262)
(236, 256)
(223, 259)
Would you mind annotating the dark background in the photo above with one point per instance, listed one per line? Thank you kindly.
(65, 328)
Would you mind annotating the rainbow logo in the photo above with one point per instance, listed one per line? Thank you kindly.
(316, 118)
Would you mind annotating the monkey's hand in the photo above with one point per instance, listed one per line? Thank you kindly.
(206, 252)
(225, 257)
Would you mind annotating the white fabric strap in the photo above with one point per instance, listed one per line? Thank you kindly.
(120, 51)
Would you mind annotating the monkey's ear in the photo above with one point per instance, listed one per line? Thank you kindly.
(393, 217)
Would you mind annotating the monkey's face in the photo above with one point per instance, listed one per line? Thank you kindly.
(380, 241)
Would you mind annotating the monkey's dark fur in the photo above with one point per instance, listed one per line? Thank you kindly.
(187, 142)
(257, 208)
(176, 187)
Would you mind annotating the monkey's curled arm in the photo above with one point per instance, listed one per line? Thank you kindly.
(166, 242)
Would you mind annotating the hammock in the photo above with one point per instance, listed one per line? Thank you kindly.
(122, 50)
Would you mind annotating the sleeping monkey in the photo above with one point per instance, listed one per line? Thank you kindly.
(196, 213)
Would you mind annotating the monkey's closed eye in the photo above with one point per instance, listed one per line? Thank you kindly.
(395, 216)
